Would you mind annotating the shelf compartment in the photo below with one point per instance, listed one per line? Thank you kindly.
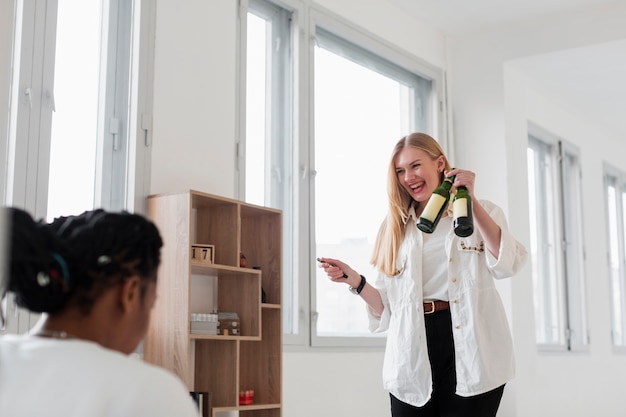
(215, 371)
(261, 242)
(238, 291)
(215, 222)
(260, 361)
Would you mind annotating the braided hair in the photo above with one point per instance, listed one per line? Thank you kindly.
(74, 259)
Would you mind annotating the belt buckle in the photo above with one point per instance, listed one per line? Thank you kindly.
(432, 310)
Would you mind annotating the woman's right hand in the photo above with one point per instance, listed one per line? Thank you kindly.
(339, 271)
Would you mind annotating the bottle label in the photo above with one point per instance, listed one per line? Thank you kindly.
(459, 208)
(433, 206)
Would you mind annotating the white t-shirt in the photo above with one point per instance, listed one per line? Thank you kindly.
(76, 378)
(435, 262)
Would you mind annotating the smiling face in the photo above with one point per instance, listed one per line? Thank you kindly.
(418, 173)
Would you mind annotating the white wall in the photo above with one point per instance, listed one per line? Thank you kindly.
(493, 102)
(194, 97)
(194, 147)
(567, 383)
(194, 135)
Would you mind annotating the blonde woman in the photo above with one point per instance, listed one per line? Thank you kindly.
(449, 350)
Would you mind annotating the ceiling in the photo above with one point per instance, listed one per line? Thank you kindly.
(592, 79)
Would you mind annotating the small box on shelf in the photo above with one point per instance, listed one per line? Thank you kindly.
(204, 323)
(228, 324)
(204, 254)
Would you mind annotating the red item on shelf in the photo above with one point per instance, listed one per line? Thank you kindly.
(246, 397)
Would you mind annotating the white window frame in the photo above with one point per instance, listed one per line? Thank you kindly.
(564, 247)
(25, 138)
(7, 21)
(31, 106)
(281, 126)
(298, 224)
(345, 40)
(617, 178)
(124, 120)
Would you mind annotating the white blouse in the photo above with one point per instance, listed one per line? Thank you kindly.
(482, 339)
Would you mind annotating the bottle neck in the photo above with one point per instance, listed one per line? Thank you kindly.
(447, 183)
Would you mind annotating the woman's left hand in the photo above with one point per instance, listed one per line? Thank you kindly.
(487, 227)
(463, 178)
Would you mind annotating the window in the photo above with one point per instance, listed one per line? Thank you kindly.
(312, 102)
(70, 129)
(78, 134)
(615, 194)
(268, 155)
(556, 243)
(363, 105)
(74, 121)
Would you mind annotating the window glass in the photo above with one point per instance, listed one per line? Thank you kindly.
(74, 121)
(556, 244)
(620, 312)
(574, 251)
(543, 245)
(615, 191)
(68, 136)
(318, 169)
(363, 106)
(255, 109)
(268, 143)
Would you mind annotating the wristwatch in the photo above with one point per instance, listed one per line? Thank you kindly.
(357, 290)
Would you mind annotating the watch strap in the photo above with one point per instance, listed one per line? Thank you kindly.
(358, 289)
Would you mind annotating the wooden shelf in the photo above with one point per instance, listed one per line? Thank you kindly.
(255, 410)
(222, 365)
(248, 407)
(198, 336)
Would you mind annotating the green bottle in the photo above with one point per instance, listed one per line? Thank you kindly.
(462, 213)
(435, 206)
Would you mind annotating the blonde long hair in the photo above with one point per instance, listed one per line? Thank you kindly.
(392, 229)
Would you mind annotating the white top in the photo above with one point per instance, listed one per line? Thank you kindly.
(76, 378)
(482, 339)
(435, 265)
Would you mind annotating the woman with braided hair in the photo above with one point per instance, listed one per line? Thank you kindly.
(94, 275)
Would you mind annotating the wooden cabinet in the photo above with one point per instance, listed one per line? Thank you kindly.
(223, 365)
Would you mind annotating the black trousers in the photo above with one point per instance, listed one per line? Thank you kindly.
(444, 402)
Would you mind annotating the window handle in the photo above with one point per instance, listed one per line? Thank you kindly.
(114, 130)
(50, 98)
(29, 94)
(146, 125)
(278, 174)
(304, 172)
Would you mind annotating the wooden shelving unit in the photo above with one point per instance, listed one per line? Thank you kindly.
(222, 365)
